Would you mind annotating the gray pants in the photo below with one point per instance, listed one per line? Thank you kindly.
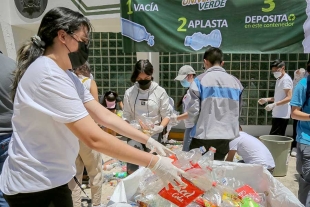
(303, 168)
(187, 140)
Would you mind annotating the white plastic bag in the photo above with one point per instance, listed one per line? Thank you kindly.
(256, 176)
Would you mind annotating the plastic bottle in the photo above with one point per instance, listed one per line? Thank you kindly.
(117, 163)
(213, 196)
(186, 160)
(120, 174)
(206, 160)
(108, 177)
(231, 182)
(198, 40)
(136, 32)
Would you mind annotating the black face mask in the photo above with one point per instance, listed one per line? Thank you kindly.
(144, 84)
(79, 57)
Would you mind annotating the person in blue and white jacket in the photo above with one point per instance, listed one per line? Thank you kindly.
(214, 107)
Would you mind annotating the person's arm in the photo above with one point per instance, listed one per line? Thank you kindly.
(164, 109)
(165, 122)
(287, 99)
(193, 107)
(298, 101)
(89, 133)
(127, 111)
(94, 90)
(287, 87)
(110, 120)
(231, 155)
(297, 114)
(182, 116)
(121, 105)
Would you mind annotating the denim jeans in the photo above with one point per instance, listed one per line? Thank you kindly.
(4, 144)
(187, 140)
(303, 168)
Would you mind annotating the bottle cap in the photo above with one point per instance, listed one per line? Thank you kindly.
(212, 149)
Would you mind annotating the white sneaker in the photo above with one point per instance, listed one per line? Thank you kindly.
(294, 152)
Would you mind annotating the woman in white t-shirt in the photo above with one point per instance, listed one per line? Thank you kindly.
(52, 109)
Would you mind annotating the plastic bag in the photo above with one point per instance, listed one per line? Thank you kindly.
(260, 179)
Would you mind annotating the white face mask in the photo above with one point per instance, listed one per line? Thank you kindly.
(277, 74)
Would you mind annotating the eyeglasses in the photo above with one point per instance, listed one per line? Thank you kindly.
(83, 39)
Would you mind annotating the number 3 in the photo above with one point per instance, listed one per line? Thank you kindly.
(271, 7)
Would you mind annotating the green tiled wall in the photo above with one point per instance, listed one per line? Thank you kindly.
(110, 66)
(251, 69)
(112, 70)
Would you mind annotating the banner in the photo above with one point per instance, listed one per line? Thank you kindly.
(236, 26)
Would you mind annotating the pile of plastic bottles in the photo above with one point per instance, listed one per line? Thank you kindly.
(115, 175)
(205, 187)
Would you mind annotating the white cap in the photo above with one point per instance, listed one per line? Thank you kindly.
(184, 71)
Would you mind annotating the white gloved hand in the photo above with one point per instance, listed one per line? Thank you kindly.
(160, 149)
(269, 107)
(173, 120)
(262, 101)
(168, 173)
(157, 129)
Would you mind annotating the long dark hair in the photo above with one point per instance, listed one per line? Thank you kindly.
(142, 66)
(56, 19)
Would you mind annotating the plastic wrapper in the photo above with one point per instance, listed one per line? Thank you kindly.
(182, 197)
(174, 114)
(146, 125)
(135, 124)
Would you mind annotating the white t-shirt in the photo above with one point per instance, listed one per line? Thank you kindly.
(283, 111)
(85, 81)
(252, 150)
(43, 150)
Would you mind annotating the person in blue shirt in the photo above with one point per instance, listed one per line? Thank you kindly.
(301, 111)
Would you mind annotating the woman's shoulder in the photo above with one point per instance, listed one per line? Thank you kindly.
(130, 90)
(159, 89)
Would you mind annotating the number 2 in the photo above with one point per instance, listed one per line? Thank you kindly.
(129, 7)
(271, 7)
(184, 20)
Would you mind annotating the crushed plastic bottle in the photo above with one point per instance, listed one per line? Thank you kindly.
(198, 40)
(108, 177)
(150, 183)
(200, 178)
(153, 200)
(116, 163)
(186, 160)
(136, 32)
(232, 182)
